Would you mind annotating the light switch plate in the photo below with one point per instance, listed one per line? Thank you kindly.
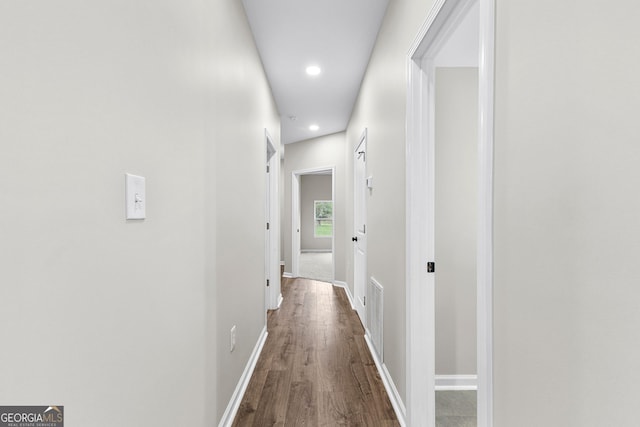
(233, 339)
(136, 200)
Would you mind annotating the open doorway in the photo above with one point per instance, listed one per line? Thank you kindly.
(313, 224)
(455, 228)
(449, 211)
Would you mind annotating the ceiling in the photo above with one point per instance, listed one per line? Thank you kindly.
(336, 35)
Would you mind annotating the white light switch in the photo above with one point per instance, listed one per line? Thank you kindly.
(135, 196)
(233, 338)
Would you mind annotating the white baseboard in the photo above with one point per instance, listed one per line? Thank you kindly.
(287, 275)
(281, 262)
(389, 385)
(344, 285)
(232, 408)
(280, 299)
(315, 251)
(456, 382)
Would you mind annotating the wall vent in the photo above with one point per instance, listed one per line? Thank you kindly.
(374, 315)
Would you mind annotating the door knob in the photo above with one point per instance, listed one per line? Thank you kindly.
(354, 239)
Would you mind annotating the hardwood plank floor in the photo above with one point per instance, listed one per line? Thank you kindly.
(315, 368)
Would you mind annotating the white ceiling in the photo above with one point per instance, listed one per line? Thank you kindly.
(337, 35)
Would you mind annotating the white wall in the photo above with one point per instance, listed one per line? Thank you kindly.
(456, 216)
(567, 234)
(381, 108)
(244, 110)
(99, 312)
(313, 153)
(312, 188)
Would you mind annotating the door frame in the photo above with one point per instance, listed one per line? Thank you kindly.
(273, 294)
(444, 17)
(363, 315)
(295, 217)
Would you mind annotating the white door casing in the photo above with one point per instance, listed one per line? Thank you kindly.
(443, 19)
(295, 224)
(295, 214)
(360, 226)
(267, 239)
(272, 230)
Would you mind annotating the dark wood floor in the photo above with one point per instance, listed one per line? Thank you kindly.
(315, 368)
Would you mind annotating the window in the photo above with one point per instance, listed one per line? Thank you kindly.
(323, 218)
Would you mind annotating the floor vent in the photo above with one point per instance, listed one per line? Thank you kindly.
(374, 315)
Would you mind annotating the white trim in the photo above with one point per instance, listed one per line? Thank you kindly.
(273, 270)
(417, 47)
(389, 385)
(360, 272)
(456, 382)
(345, 286)
(295, 224)
(287, 275)
(295, 214)
(282, 263)
(420, 365)
(280, 299)
(485, 214)
(232, 408)
(317, 251)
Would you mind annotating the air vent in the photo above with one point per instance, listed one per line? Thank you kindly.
(374, 315)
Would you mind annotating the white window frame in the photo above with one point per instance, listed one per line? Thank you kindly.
(315, 219)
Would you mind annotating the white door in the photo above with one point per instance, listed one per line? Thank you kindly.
(295, 224)
(360, 226)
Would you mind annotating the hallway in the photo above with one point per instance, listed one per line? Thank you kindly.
(315, 368)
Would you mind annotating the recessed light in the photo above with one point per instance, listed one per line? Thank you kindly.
(313, 70)
(314, 127)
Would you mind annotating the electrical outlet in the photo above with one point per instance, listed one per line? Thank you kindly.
(233, 338)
